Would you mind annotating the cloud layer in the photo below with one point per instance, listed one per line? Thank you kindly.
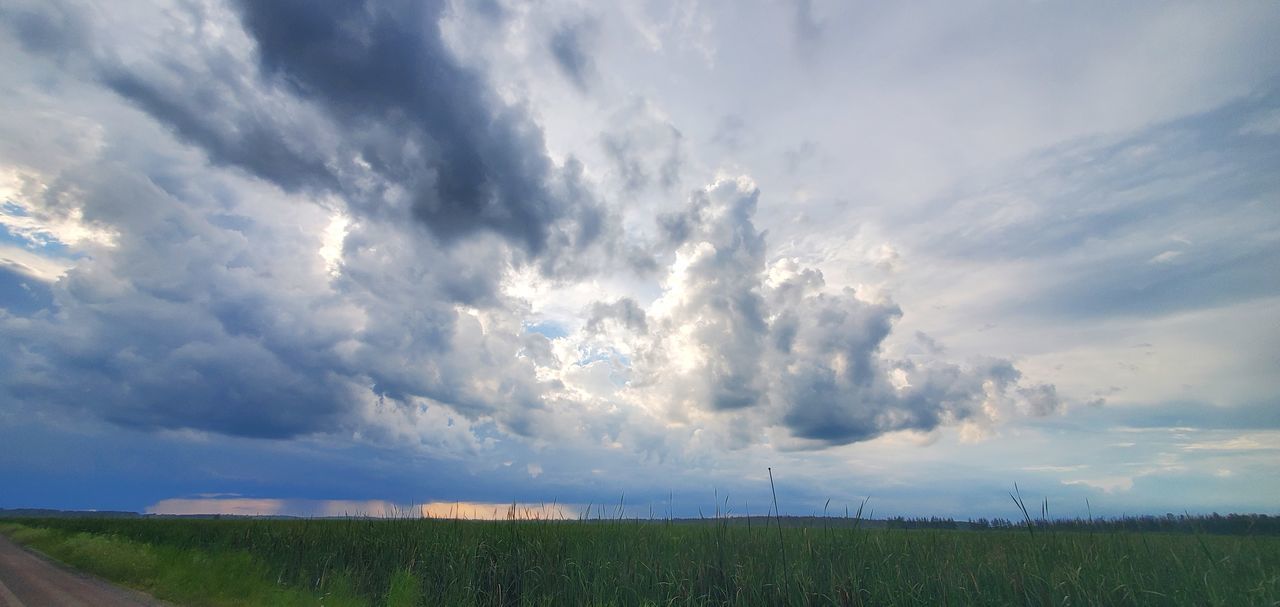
(536, 246)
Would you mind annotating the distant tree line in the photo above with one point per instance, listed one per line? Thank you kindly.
(1230, 524)
(932, 522)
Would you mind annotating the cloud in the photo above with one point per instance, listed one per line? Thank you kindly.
(770, 346)
(1041, 400)
(626, 312)
(227, 301)
(226, 305)
(1106, 484)
(175, 325)
(52, 28)
(798, 156)
(568, 47)
(807, 29)
(363, 102)
(1165, 257)
(1105, 222)
(730, 132)
(1258, 441)
(644, 148)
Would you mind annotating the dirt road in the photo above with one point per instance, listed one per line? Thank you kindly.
(27, 580)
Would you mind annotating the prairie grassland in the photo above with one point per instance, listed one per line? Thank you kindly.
(457, 562)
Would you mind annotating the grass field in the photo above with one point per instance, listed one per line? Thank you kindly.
(456, 562)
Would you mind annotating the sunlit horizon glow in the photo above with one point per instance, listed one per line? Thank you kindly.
(265, 507)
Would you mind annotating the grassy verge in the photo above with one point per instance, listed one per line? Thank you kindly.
(180, 575)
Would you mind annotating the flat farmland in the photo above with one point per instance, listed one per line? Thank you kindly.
(715, 562)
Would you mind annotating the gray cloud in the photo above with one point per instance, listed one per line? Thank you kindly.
(807, 29)
(212, 311)
(733, 333)
(213, 115)
(730, 133)
(172, 329)
(644, 147)
(1042, 400)
(471, 164)
(624, 311)
(225, 320)
(1123, 223)
(796, 157)
(359, 100)
(719, 294)
(48, 28)
(568, 47)
(492, 10)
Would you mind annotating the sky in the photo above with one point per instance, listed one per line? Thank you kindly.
(440, 257)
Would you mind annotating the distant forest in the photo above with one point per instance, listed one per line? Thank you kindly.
(1230, 524)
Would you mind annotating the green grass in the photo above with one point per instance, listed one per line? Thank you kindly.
(181, 574)
(443, 562)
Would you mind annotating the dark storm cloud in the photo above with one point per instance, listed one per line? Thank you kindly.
(171, 329)
(360, 99)
(198, 114)
(568, 46)
(211, 310)
(226, 322)
(470, 162)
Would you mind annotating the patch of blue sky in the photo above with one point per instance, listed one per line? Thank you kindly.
(12, 208)
(45, 245)
(487, 430)
(593, 355)
(21, 294)
(547, 328)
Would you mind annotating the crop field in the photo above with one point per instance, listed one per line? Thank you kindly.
(459, 562)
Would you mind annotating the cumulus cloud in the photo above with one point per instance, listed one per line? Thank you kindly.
(357, 100)
(181, 323)
(229, 305)
(769, 345)
(313, 214)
